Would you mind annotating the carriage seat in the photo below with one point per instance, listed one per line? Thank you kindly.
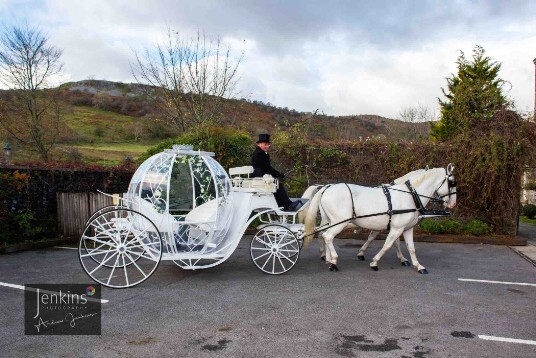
(203, 213)
(266, 184)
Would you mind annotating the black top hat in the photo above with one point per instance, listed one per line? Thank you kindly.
(264, 138)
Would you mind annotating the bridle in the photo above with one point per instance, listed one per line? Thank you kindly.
(451, 183)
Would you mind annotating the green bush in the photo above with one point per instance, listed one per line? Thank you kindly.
(231, 147)
(477, 227)
(529, 211)
(431, 226)
(530, 186)
(439, 226)
(17, 221)
(452, 226)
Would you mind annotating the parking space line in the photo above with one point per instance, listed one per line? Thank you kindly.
(509, 340)
(499, 282)
(66, 248)
(20, 287)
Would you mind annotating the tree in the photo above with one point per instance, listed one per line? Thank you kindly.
(28, 63)
(189, 77)
(417, 117)
(473, 95)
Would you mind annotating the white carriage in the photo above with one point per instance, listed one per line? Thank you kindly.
(182, 206)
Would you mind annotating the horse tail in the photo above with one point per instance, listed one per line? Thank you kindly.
(310, 218)
(308, 194)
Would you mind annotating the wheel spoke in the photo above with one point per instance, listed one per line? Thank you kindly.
(102, 263)
(113, 269)
(125, 268)
(267, 260)
(135, 264)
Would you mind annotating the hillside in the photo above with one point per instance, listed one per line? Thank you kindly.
(106, 121)
(253, 116)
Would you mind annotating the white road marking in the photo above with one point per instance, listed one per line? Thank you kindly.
(66, 248)
(20, 287)
(509, 340)
(499, 282)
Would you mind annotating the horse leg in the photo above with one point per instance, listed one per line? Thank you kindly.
(408, 237)
(322, 249)
(403, 260)
(331, 253)
(393, 235)
(361, 254)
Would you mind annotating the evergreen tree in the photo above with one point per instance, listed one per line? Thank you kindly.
(473, 95)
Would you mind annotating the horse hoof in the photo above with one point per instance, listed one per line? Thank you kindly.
(423, 272)
(375, 268)
(323, 258)
(361, 257)
(405, 263)
(333, 267)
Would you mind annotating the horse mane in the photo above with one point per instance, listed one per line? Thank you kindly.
(426, 175)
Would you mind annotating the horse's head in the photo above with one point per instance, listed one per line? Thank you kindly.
(447, 190)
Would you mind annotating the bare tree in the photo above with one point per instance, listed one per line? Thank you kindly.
(418, 118)
(28, 63)
(190, 77)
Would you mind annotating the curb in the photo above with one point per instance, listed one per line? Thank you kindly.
(34, 245)
(529, 257)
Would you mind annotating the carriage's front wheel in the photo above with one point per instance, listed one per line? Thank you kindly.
(120, 248)
(274, 249)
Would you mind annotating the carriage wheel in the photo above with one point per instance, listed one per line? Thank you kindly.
(274, 249)
(93, 216)
(120, 248)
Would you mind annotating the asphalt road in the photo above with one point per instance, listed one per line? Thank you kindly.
(235, 310)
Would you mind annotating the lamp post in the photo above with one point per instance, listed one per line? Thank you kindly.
(7, 153)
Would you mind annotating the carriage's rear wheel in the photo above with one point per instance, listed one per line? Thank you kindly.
(102, 210)
(274, 249)
(120, 248)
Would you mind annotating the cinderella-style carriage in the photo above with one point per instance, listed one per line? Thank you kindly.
(183, 207)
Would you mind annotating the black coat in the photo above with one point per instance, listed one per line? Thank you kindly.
(260, 160)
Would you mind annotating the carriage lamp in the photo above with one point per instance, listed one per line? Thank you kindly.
(7, 153)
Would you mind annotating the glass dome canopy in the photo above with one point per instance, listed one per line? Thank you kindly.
(186, 194)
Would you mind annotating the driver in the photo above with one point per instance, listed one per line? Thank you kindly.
(260, 160)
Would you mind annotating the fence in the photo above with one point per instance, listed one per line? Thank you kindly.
(74, 209)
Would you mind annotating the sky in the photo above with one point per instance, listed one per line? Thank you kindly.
(340, 57)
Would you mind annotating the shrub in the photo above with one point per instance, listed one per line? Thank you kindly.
(439, 226)
(231, 147)
(17, 221)
(477, 227)
(98, 131)
(451, 226)
(431, 226)
(530, 186)
(74, 155)
(529, 211)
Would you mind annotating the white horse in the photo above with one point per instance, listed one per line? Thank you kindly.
(313, 189)
(368, 208)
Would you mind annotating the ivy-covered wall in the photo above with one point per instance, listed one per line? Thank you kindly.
(489, 161)
(28, 208)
